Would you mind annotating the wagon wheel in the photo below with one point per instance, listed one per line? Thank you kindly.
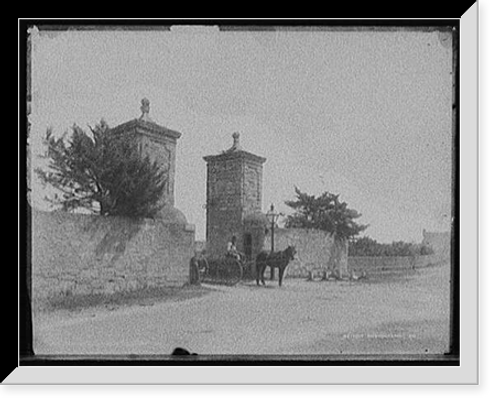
(232, 272)
(204, 270)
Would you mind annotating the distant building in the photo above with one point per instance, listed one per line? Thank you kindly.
(439, 241)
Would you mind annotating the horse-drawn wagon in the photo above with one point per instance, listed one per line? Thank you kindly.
(229, 270)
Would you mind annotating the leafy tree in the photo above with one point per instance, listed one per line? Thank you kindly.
(325, 212)
(103, 173)
(425, 250)
(365, 247)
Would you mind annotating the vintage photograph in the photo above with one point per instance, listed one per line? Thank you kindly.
(224, 191)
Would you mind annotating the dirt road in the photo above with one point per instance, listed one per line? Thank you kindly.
(383, 315)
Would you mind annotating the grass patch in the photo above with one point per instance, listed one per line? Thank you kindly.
(141, 297)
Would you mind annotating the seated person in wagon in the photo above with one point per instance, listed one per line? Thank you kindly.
(232, 251)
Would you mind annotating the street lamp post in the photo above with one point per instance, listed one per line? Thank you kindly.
(272, 216)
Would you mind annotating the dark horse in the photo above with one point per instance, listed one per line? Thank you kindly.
(278, 260)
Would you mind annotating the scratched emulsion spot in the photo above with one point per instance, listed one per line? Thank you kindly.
(445, 38)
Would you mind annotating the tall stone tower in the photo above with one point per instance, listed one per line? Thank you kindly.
(159, 143)
(234, 201)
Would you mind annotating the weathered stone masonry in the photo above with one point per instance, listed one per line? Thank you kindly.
(317, 251)
(234, 200)
(78, 254)
(157, 142)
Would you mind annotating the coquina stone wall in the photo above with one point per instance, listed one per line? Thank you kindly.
(389, 263)
(77, 254)
(317, 251)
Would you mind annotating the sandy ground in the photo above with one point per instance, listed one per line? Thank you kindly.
(386, 314)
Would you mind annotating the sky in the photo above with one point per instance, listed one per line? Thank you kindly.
(364, 114)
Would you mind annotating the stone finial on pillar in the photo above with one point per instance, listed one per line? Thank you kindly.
(145, 110)
(236, 142)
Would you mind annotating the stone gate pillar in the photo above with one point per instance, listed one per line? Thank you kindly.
(159, 144)
(234, 192)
